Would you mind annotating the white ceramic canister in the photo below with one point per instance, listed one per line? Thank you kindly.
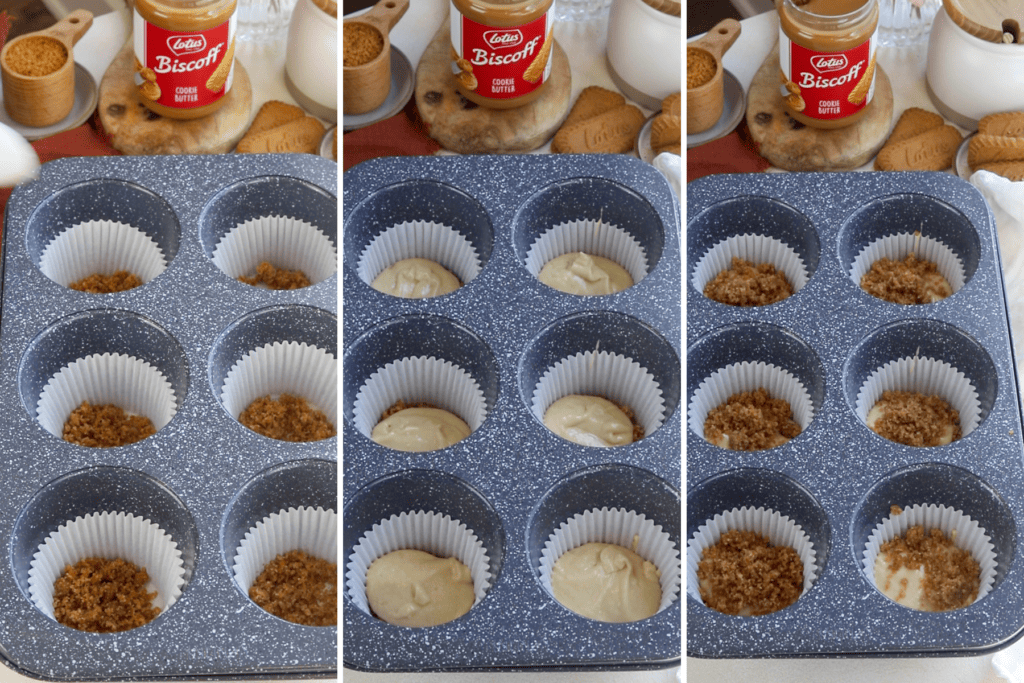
(311, 64)
(644, 44)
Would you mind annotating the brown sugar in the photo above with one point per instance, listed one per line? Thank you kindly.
(299, 588)
(913, 419)
(103, 596)
(743, 574)
(362, 43)
(700, 67)
(97, 283)
(951, 576)
(910, 281)
(748, 285)
(105, 426)
(751, 421)
(36, 56)
(288, 418)
(276, 278)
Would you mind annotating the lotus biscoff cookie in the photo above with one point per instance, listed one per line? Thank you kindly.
(914, 121)
(1006, 124)
(933, 150)
(1011, 170)
(592, 101)
(983, 149)
(612, 132)
(301, 135)
(273, 114)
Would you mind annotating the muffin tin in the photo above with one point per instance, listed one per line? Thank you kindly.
(203, 478)
(512, 482)
(838, 479)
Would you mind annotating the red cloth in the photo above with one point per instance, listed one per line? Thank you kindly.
(735, 153)
(404, 134)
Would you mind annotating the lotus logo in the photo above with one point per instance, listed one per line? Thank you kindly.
(505, 38)
(186, 45)
(823, 64)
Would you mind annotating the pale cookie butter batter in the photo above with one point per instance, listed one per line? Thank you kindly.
(420, 429)
(585, 275)
(607, 583)
(415, 278)
(416, 589)
(589, 421)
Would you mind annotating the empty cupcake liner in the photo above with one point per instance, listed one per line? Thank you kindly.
(928, 376)
(420, 239)
(133, 385)
(419, 379)
(287, 243)
(431, 532)
(749, 376)
(314, 531)
(108, 535)
(755, 249)
(599, 373)
(778, 528)
(592, 237)
(620, 527)
(284, 368)
(898, 247)
(967, 535)
(103, 247)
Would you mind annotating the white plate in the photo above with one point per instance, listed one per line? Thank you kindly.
(402, 82)
(734, 106)
(327, 144)
(960, 162)
(86, 96)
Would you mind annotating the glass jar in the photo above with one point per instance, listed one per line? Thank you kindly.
(501, 52)
(827, 59)
(184, 55)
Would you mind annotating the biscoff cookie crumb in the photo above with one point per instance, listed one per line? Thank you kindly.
(745, 284)
(276, 278)
(744, 575)
(288, 418)
(103, 596)
(751, 421)
(700, 67)
(36, 56)
(362, 44)
(910, 281)
(913, 419)
(299, 588)
(105, 426)
(98, 283)
(952, 576)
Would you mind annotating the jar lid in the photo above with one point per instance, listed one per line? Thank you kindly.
(998, 21)
(671, 7)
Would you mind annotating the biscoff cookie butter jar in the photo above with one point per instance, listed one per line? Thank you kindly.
(184, 55)
(827, 59)
(501, 51)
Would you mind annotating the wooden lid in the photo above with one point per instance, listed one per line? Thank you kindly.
(329, 6)
(671, 7)
(987, 19)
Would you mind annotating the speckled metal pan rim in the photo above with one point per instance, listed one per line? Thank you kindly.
(936, 483)
(755, 487)
(103, 199)
(94, 333)
(574, 199)
(413, 201)
(926, 339)
(908, 212)
(100, 489)
(756, 215)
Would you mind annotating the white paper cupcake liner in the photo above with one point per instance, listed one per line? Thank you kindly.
(592, 237)
(284, 368)
(431, 532)
(779, 529)
(620, 527)
(108, 535)
(898, 247)
(103, 247)
(928, 376)
(314, 531)
(419, 379)
(612, 376)
(970, 536)
(133, 385)
(419, 239)
(755, 249)
(748, 376)
(287, 243)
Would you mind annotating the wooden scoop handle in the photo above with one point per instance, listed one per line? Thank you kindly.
(720, 38)
(385, 14)
(69, 29)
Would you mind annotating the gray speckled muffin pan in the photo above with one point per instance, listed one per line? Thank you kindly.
(838, 479)
(204, 478)
(511, 481)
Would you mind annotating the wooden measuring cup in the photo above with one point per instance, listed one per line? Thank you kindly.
(46, 98)
(704, 102)
(365, 87)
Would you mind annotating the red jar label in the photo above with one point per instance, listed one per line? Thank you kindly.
(827, 85)
(501, 62)
(184, 69)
